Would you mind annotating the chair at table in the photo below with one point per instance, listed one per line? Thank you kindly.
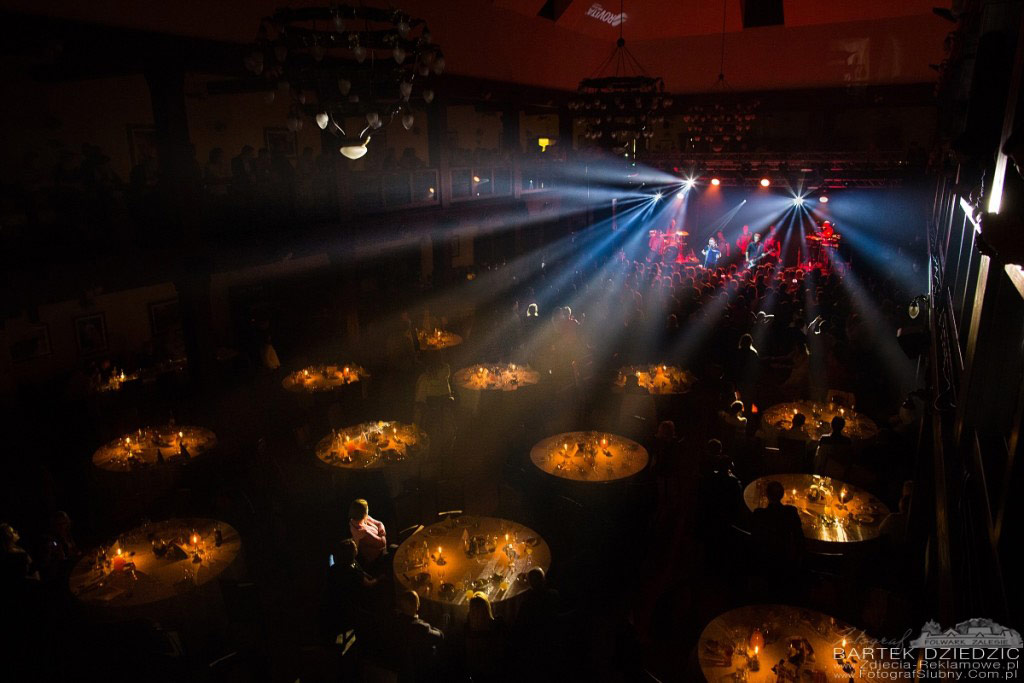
(409, 531)
(841, 398)
(449, 494)
(835, 460)
(790, 455)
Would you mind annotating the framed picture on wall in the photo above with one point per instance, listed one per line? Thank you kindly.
(91, 334)
(33, 342)
(141, 143)
(165, 322)
(280, 141)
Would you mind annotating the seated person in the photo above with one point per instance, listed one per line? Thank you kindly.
(837, 436)
(734, 422)
(719, 491)
(777, 533)
(347, 590)
(415, 641)
(539, 607)
(368, 533)
(17, 565)
(894, 526)
(796, 430)
(485, 640)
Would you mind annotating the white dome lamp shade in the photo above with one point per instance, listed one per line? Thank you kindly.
(355, 151)
(322, 119)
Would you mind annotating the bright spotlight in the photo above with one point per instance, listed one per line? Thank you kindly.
(798, 201)
(765, 182)
(823, 199)
(657, 196)
(689, 183)
(716, 182)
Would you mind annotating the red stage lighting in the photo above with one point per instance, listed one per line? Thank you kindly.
(716, 182)
(765, 182)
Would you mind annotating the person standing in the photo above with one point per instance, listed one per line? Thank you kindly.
(754, 251)
(711, 254)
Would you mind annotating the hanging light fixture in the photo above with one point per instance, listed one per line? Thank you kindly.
(720, 126)
(356, 151)
(345, 61)
(620, 105)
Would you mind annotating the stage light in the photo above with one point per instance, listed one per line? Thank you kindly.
(798, 201)
(823, 199)
(689, 183)
(657, 196)
(716, 182)
(765, 182)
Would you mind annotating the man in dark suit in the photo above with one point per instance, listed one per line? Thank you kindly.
(416, 642)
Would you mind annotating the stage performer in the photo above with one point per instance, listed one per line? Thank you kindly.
(711, 254)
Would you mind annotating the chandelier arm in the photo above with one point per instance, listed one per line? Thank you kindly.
(639, 67)
(604, 64)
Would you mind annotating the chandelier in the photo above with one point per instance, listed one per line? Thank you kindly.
(719, 127)
(342, 62)
(620, 104)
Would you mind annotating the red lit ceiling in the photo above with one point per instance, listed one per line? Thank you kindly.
(823, 42)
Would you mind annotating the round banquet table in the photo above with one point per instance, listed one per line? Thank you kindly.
(819, 418)
(830, 511)
(501, 553)
(596, 457)
(500, 377)
(437, 340)
(804, 640)
(142, 578)
(323, 378)
(372, 445)
(145, 447)
(658, 379)
(499, 381)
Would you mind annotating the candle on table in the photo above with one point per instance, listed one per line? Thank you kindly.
(118, 561)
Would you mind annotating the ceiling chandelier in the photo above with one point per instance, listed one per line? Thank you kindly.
(342, 62)
(720, 126)
(620, 104)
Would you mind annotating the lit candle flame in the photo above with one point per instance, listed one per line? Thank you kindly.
(756, 650)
